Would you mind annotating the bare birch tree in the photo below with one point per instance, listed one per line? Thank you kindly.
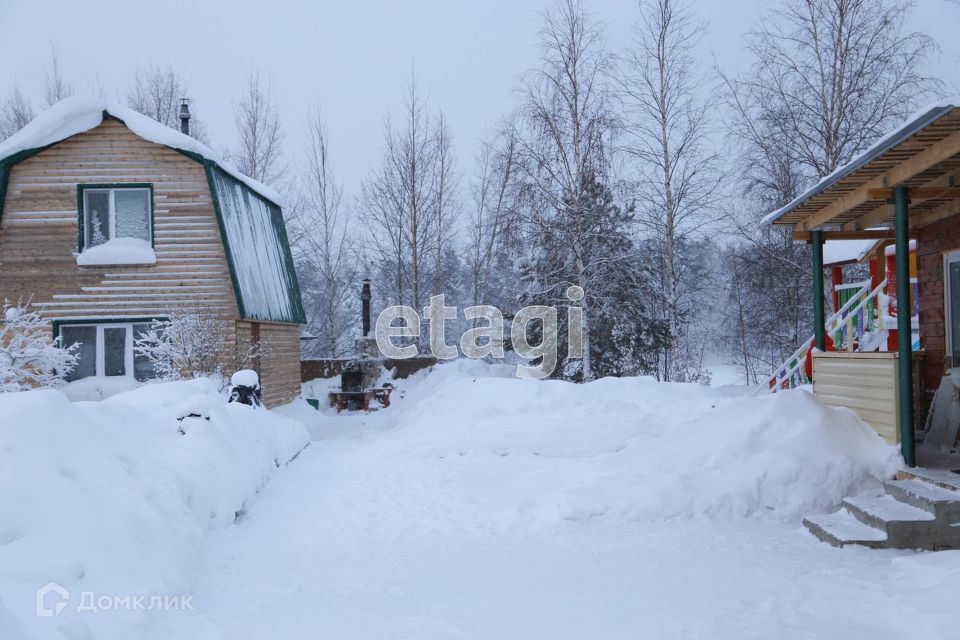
(156, 93)
(677, 176)
(55, 88)
(446, 205)
(400, 200)
(322, 238)
(15, 113)
(828, 78)
(260, 152)
(494, 195)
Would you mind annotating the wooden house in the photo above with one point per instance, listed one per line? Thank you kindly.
(109, 220)
(905, 190)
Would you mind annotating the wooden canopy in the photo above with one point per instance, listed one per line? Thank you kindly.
(907, 180)
(923, 156)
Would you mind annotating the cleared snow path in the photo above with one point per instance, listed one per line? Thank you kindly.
(413, 524)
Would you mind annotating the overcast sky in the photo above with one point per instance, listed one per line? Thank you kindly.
(351, 57)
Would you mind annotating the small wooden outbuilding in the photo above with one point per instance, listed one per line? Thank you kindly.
(109, 220)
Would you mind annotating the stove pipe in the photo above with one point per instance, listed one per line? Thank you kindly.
(184, 116)
(365, 298)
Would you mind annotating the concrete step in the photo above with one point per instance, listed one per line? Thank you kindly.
(842, 528)
(880, 510)
(943, 503)
(906, 526)
(919, 510)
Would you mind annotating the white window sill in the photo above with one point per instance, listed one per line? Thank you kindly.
(120, 251)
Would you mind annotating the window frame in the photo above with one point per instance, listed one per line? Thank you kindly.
(101, 324)
(110, 187)
(949, 258)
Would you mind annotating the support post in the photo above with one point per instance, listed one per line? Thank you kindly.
(819, 331)
(365, 298)
(904, 330)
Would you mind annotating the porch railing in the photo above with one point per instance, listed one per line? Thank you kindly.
(857, 318)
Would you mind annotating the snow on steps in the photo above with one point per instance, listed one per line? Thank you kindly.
(942, 503)
(841, 528)
(912, 514)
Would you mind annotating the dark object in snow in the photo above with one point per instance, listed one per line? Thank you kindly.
(195, 407)
(245, 388)
(353, 393)
(360, 400)
(358, 376)
(351, 378)
(246, 395)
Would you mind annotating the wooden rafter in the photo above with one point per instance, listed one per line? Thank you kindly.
(916, 193)
(839, 234)
(939, 152)
(939, 188)
(945, 210)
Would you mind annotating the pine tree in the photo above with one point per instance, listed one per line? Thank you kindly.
(587, 242)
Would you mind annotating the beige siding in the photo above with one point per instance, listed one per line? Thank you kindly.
(279, 368)
(865, 383)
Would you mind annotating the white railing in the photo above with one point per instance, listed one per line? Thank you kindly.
(792, 373)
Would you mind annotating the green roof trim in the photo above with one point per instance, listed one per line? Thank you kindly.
(7, 163)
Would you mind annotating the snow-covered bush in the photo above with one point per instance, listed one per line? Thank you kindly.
(195, 343)
(29, 355)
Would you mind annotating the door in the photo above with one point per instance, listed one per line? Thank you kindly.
(951, 281)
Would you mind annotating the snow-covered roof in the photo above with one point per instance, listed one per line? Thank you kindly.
(837, 252)
(78, 114)
(912, 125)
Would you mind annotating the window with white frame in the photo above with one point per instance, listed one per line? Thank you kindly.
(107, 349)
(112, 212)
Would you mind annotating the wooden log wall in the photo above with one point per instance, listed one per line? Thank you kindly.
(38, 231)
(279, 367)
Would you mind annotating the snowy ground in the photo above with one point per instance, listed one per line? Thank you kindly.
(481, 506)
(488, 507)
(114, 499)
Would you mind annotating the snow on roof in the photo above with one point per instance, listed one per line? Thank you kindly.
(78, 114)
(846, 251)
(914, 123)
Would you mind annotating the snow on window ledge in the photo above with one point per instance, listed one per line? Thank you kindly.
(118, 251)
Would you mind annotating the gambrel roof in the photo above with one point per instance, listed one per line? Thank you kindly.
(248, 212)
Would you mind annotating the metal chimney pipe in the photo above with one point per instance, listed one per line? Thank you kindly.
(184, 116)
(365, 298)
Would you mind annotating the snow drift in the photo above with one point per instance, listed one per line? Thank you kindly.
(115, 497)
(542, 454)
